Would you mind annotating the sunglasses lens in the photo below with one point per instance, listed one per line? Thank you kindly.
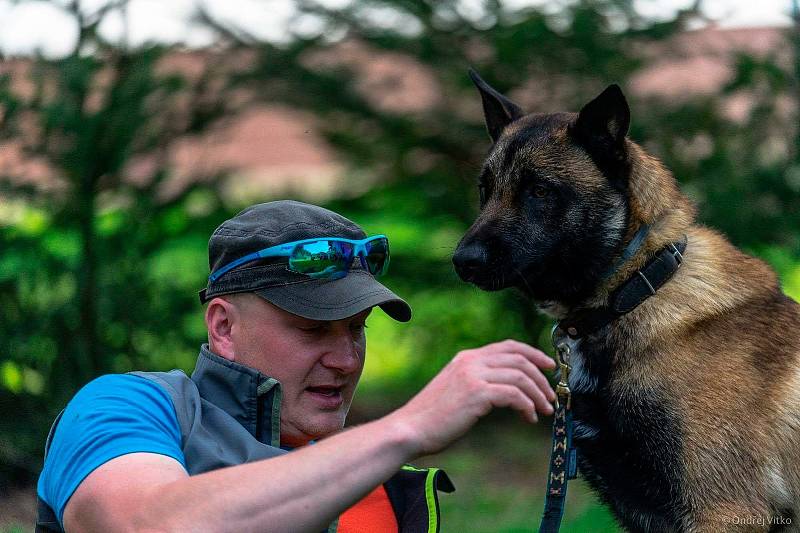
(322, 259)
(377, 256)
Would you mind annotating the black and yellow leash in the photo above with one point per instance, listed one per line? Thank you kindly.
(563, 457)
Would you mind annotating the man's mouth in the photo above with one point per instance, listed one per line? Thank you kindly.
(325, 390)
(326, 396)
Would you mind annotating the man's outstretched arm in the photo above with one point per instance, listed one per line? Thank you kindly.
(307, 489)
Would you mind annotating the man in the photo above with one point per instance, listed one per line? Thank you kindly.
(290, 291)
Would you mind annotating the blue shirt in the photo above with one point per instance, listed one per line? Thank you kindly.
(111, 416)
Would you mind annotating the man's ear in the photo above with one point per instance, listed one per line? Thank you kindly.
(603, 123)
(221, 315)
(498, 111)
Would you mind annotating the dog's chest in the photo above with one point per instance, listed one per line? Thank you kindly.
(628, 440)
(584, 384)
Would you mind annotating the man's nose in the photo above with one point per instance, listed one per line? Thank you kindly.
(344, 355)
(470, 259)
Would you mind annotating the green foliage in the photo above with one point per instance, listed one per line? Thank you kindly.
(98, 273)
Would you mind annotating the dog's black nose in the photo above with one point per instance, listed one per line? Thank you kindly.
(470, 260)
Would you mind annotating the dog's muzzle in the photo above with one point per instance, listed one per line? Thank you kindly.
(471, 261)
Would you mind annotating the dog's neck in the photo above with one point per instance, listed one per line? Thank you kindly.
(653, 199)
(650, 183)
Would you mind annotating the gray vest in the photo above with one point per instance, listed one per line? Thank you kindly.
(229, 414)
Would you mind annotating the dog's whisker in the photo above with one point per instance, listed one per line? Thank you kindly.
(524, 280)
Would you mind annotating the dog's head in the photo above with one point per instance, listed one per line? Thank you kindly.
(553, 193)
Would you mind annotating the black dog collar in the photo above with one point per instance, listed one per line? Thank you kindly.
(630, 294)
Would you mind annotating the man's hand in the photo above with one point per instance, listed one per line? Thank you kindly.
(503, 374)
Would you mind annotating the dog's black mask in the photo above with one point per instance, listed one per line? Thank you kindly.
(553, 199)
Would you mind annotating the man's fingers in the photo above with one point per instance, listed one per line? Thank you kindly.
(519, 379)
(525, 417)
(515, 360)
(535, 356)
(502, 395)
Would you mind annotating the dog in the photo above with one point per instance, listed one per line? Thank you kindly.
(687, 408)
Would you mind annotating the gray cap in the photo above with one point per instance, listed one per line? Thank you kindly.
(272, 223)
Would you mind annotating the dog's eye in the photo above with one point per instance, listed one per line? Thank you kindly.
(539, 191)
(482, 193)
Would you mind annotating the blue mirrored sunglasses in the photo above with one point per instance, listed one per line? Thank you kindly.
(323, 257)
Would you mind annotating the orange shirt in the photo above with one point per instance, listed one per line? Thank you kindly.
(373, 514)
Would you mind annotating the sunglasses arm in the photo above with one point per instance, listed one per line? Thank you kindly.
(242, 260)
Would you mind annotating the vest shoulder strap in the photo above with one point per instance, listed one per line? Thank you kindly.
(413, 493)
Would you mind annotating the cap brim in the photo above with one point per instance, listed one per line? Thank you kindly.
(336, 299)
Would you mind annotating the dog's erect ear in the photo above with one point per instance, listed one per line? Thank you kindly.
(498, 110)
(605, 119)
(601, 128)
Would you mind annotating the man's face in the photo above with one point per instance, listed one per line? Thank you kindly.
(318, 364)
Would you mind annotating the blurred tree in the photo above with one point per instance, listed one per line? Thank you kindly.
(90, 270)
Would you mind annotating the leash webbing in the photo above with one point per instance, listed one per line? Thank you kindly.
(563, 459)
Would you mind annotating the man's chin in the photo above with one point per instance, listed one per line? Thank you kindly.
(313, 429)
(321, 423)
(324, 428)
